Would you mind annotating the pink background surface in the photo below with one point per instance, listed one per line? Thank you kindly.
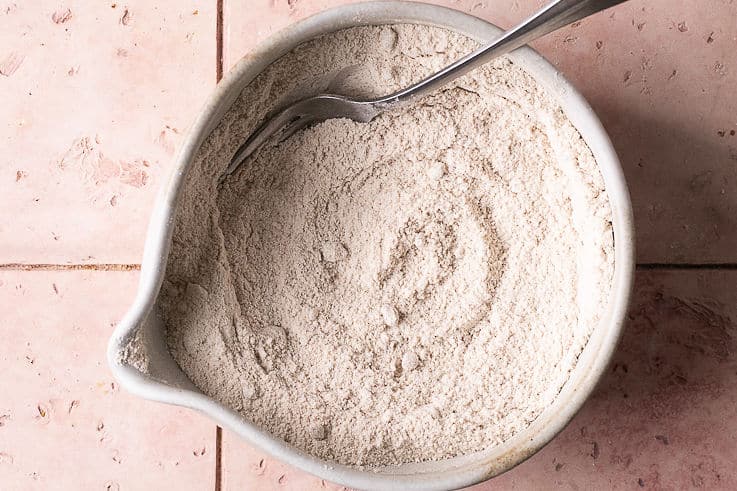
(94, 100)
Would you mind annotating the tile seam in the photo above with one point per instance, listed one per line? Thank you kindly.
(219, 41)
(69, 267)
(686, 266)
(219, 63)
(218, 458)
(137, 267)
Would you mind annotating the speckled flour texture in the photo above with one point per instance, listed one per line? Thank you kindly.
(411, 289)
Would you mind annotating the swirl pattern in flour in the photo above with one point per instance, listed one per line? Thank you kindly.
(411, 289)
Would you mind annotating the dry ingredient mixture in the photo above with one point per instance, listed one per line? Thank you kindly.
(412, 289)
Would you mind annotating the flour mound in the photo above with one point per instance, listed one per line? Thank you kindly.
(411, 289)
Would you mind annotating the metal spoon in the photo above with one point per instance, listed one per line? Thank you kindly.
(318, 108)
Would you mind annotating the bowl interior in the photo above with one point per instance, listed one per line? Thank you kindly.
(162, 380)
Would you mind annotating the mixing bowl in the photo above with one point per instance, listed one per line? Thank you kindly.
(153, 374)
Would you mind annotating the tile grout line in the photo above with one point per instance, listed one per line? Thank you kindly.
(219, 63)
(219, 52)
(218, 458)
(69, 267)
(685, 266)
(137, 267)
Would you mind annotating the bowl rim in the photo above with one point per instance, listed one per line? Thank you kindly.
(498, 459)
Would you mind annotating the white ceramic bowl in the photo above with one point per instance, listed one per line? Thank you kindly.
(165, 381)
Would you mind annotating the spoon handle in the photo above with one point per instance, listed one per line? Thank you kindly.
(557, 14)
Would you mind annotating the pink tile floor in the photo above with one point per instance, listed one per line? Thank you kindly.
(94, 99)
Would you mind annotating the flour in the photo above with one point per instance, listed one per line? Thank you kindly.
(411, 289)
